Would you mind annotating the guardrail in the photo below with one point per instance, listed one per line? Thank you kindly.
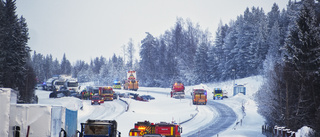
(277, 131)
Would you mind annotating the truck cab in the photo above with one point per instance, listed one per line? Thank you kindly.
(199, 96)
(177, 90)
(106, 93)
(99, 128)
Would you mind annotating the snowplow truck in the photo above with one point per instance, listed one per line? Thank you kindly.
(217, 94)
(177, 90)
(131, 83)
(99, 128)
(146, 128)
(199, 96)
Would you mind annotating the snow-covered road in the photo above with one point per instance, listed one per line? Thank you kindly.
(217, 116)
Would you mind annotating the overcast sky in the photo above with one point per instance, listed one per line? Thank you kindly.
(85, 29)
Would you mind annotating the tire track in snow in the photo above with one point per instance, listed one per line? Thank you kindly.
(226, 117)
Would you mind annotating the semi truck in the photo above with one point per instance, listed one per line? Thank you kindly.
(199, 96)
(71, 84)
(131, 83)
(99, 128)
(177, 90)
(163, 128)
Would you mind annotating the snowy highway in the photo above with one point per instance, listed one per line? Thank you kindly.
(224, 119)
(217, 117)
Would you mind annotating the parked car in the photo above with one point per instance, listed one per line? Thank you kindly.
(148, 97)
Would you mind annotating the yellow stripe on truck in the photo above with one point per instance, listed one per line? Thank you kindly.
(171, 130)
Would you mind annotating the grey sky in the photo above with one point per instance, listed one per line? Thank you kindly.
(85, 29)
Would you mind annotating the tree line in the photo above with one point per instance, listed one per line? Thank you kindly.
(290, 95)
(16, 71)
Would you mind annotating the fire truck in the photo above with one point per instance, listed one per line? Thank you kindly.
(106, 93)
(162, 128)
(177, 90)
(131, 83)
(199, 96)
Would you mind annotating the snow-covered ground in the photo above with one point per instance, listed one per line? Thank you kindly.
(167, 109)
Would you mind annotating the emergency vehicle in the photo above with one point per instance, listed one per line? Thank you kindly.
(106, 93)
(116, 84)
(96, 99)
(199, 96)
(162, 128)
(131, 83)
(177, 90)
(217, 94)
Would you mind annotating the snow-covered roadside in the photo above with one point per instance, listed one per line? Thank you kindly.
(249, 122)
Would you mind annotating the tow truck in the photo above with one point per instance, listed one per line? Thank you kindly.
(146, 129)
(177, 90)
(99, 128)
(199, 96)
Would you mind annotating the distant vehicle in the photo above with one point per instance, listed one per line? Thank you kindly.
(106, 93)
(96, 99)
(58, 84)
(177, 90)
(116, 84)
(131, 83)
(217, 94)
(49, 83)
(148, 97)
(199, 96)
(99, 128)
(71, 84)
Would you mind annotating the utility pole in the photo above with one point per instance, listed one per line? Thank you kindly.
(234, 77)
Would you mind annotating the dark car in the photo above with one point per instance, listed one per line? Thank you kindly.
(148, 97)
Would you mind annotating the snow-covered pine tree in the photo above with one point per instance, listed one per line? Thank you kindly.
(148, 57)
(65, 66)
(302, 48)
(201, 64)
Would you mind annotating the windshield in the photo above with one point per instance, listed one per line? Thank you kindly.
(95, 98)
(199, 91)
(218, 91)
(107, 91)
(59, 83)
(72, 84)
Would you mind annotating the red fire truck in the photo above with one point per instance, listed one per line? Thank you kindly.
(106, 93)
(162, 128)
(177, 90)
